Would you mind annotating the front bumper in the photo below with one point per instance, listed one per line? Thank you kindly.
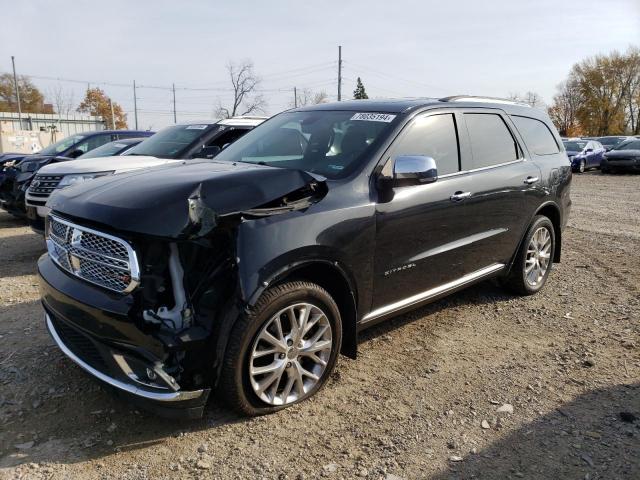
(103, 352)
(632, 164)
(12, 195)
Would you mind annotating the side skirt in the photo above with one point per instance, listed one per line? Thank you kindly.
(392, 309)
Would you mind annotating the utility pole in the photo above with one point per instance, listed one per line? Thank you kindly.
(173, 88)
(135, 104)
(15, 82)
(339, 72)
(295, 97)
(113, 117)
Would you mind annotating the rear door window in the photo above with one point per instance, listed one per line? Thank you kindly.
(431, 136)
(536, 134)
(491, 141)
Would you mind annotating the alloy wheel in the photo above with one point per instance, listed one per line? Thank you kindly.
(582, 166)
(290, 354)
(538, 256)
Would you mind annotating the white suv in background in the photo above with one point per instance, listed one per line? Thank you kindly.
(173, 144)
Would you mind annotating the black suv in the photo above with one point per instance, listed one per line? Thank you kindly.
(251, 272)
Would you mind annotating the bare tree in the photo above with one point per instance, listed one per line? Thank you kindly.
(531, 98)
(564, 109)
(245, 84)
(62, 99)
(320, 97)
(306, 97)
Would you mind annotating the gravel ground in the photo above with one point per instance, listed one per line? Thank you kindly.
(479, 385)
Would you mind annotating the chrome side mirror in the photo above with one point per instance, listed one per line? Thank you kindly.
(414, 170)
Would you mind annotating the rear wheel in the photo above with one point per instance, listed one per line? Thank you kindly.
(532, 265)
(283, 351)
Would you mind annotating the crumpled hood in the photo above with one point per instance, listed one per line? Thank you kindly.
(120, 163)
(157, 201)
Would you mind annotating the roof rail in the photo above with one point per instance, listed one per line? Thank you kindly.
(472, 98)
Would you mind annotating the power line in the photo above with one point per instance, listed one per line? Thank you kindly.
(393, 77)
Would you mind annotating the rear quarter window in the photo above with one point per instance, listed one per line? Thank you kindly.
(491, 141)
(537, 135)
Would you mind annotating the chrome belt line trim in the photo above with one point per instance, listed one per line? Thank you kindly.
(470, 277)
(457, 244)
(159, 397)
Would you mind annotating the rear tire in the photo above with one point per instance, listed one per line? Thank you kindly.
(265, 344)
(534, 259)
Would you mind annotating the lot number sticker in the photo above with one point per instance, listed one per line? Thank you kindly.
(374, 117)
(196, 127)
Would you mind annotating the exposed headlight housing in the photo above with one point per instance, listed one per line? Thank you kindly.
(69, 180)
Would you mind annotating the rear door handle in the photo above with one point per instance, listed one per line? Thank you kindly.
(530, 180)
(456, 197)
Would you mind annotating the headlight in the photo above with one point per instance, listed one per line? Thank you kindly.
(29, 167)
(68, 180)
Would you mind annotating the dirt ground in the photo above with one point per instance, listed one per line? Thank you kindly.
(430, 395)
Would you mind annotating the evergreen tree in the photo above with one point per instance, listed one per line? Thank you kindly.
(359, 93)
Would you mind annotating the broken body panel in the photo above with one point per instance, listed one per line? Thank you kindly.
(233, 227)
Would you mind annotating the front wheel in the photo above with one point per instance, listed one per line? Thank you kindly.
(283, 351)
(582, 167)
(532, 265)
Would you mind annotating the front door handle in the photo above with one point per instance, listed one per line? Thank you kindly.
(458, 196)
(530, 180)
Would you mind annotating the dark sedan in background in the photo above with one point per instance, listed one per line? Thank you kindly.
(17, 174)
(113, 149)
(611, 142)
(584, 154)
(625, 156)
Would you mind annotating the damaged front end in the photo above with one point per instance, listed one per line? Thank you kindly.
(164, 340)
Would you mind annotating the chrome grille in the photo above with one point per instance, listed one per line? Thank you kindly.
(96, 257)
(43, 185)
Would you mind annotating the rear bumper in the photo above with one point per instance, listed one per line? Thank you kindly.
(137, 374)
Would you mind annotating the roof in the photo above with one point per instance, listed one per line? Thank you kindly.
(145, 133)
(243, 121)
(233, 121)
(130, 140)
(385, 105)
(403, 105)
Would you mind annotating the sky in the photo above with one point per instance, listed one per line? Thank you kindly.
(400, 48)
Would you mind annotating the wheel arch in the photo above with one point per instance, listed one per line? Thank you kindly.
(552, 212)
(331, 276)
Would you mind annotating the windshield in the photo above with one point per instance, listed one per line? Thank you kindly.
(574, 146)
(107, 150)
(611, 141)
(172, 142)
(630, 145)
(329, 143)
(61, 146)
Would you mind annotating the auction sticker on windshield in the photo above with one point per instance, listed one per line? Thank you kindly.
(373, 117)
(197, 127)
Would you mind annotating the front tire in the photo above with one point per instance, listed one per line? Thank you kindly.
(532, 265)
(582, 167)
(283, 351)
